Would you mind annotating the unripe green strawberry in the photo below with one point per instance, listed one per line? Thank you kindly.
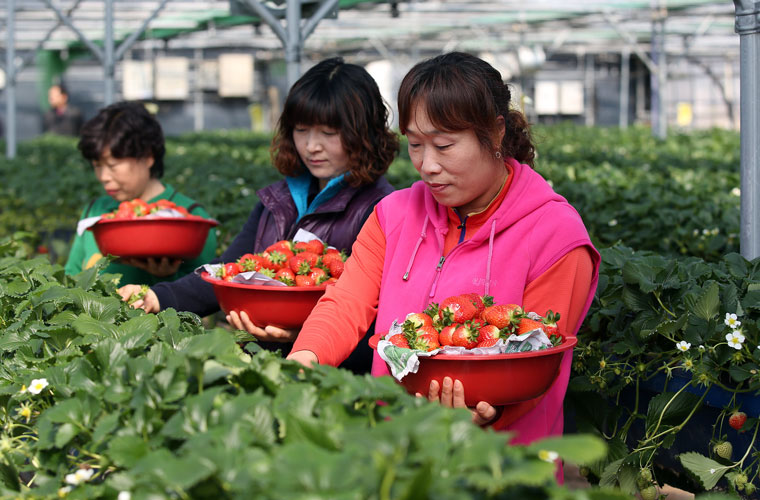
(723, 450)
(583, 471)
(649, 493)
(740, 480)
(749, 488)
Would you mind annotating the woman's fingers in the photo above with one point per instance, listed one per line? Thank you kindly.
(483, 413)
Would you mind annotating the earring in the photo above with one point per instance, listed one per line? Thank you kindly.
(497, 155)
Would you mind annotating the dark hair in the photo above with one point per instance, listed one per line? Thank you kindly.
(344, 97)
(61, 87)
(460, 92)
(128, 130)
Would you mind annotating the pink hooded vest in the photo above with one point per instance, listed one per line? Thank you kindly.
(532, 229)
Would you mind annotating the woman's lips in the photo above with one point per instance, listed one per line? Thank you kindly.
(111, 192)
(436, 188)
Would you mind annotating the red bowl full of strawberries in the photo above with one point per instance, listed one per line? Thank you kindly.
(499, 378)
(285, 307)
(296, 273)
(135, 230)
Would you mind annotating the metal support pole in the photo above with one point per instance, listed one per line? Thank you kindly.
(10, 87)
(295, 43)
(625, 85)
(748, 28)
(109, 65)
(590, 84)
(197, 91)
(658, 79)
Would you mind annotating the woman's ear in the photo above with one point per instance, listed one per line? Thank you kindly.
(501, 130)
(148, 161)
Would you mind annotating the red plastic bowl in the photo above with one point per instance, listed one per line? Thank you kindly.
(281, 306)
(498, 379)
(175, 237)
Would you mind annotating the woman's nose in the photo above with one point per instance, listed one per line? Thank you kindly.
(313, 143)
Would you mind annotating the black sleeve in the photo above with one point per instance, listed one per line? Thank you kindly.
(191, 293)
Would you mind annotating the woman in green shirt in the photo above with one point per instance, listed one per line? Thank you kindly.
(125, 146)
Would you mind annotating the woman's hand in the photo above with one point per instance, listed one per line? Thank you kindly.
(148, 303)
(306, 358)
(452, 395)
(162, 267)
(269, 334)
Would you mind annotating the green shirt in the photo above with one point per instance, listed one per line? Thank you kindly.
(85, 252)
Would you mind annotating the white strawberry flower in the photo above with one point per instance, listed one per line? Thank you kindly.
(62, 492)
(683, 346)
(80, 476)
(612, 223)
(124, 495)
(548, 456)
(736, 192)
(732, 321)
(37, 385)
(735, 339)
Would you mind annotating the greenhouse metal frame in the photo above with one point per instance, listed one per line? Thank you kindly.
(647, 30)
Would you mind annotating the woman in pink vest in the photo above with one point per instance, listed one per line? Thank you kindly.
(480, 220)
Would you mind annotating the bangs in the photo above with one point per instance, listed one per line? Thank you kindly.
(451, 100)
(313, 106)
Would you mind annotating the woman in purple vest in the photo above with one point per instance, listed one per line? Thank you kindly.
(333, 145)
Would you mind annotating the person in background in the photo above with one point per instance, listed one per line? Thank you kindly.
(333, 145)
(124, 143)
(481, 220)
(62, 118)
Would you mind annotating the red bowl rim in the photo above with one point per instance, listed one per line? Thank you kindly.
(182, 220)
(569, 343)
(231, 284)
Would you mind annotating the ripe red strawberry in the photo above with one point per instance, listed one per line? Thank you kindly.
(286, 276)
(465, 336)
(304, 280)
(550, 324)
(487, 342)
(283, 246)
(230, 270)
(331, 281)
(456, 309)
(319, 275)
(314, 246)
(489, 332)
(528, 325)
(503, 316)
(445, 337)
(399, 340)
(418, 319)
(737, 419)
(336, 268)
(332, 257)
(299, 263)
(250, 262)
(426, 339)
(480, 302)
(274, 260)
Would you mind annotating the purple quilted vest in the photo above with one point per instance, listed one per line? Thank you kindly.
(336, 222)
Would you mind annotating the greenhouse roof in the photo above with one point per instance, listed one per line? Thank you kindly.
(704, 27)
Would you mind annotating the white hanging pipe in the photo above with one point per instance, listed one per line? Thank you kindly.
(10, 87)
(748, 28)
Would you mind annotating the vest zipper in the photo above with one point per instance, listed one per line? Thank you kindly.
(437, 275)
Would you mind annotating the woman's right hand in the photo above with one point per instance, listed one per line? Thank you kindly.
(149, 303)
(268, 334)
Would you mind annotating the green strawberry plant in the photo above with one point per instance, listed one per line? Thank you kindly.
(98, 400)
(678, 329)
